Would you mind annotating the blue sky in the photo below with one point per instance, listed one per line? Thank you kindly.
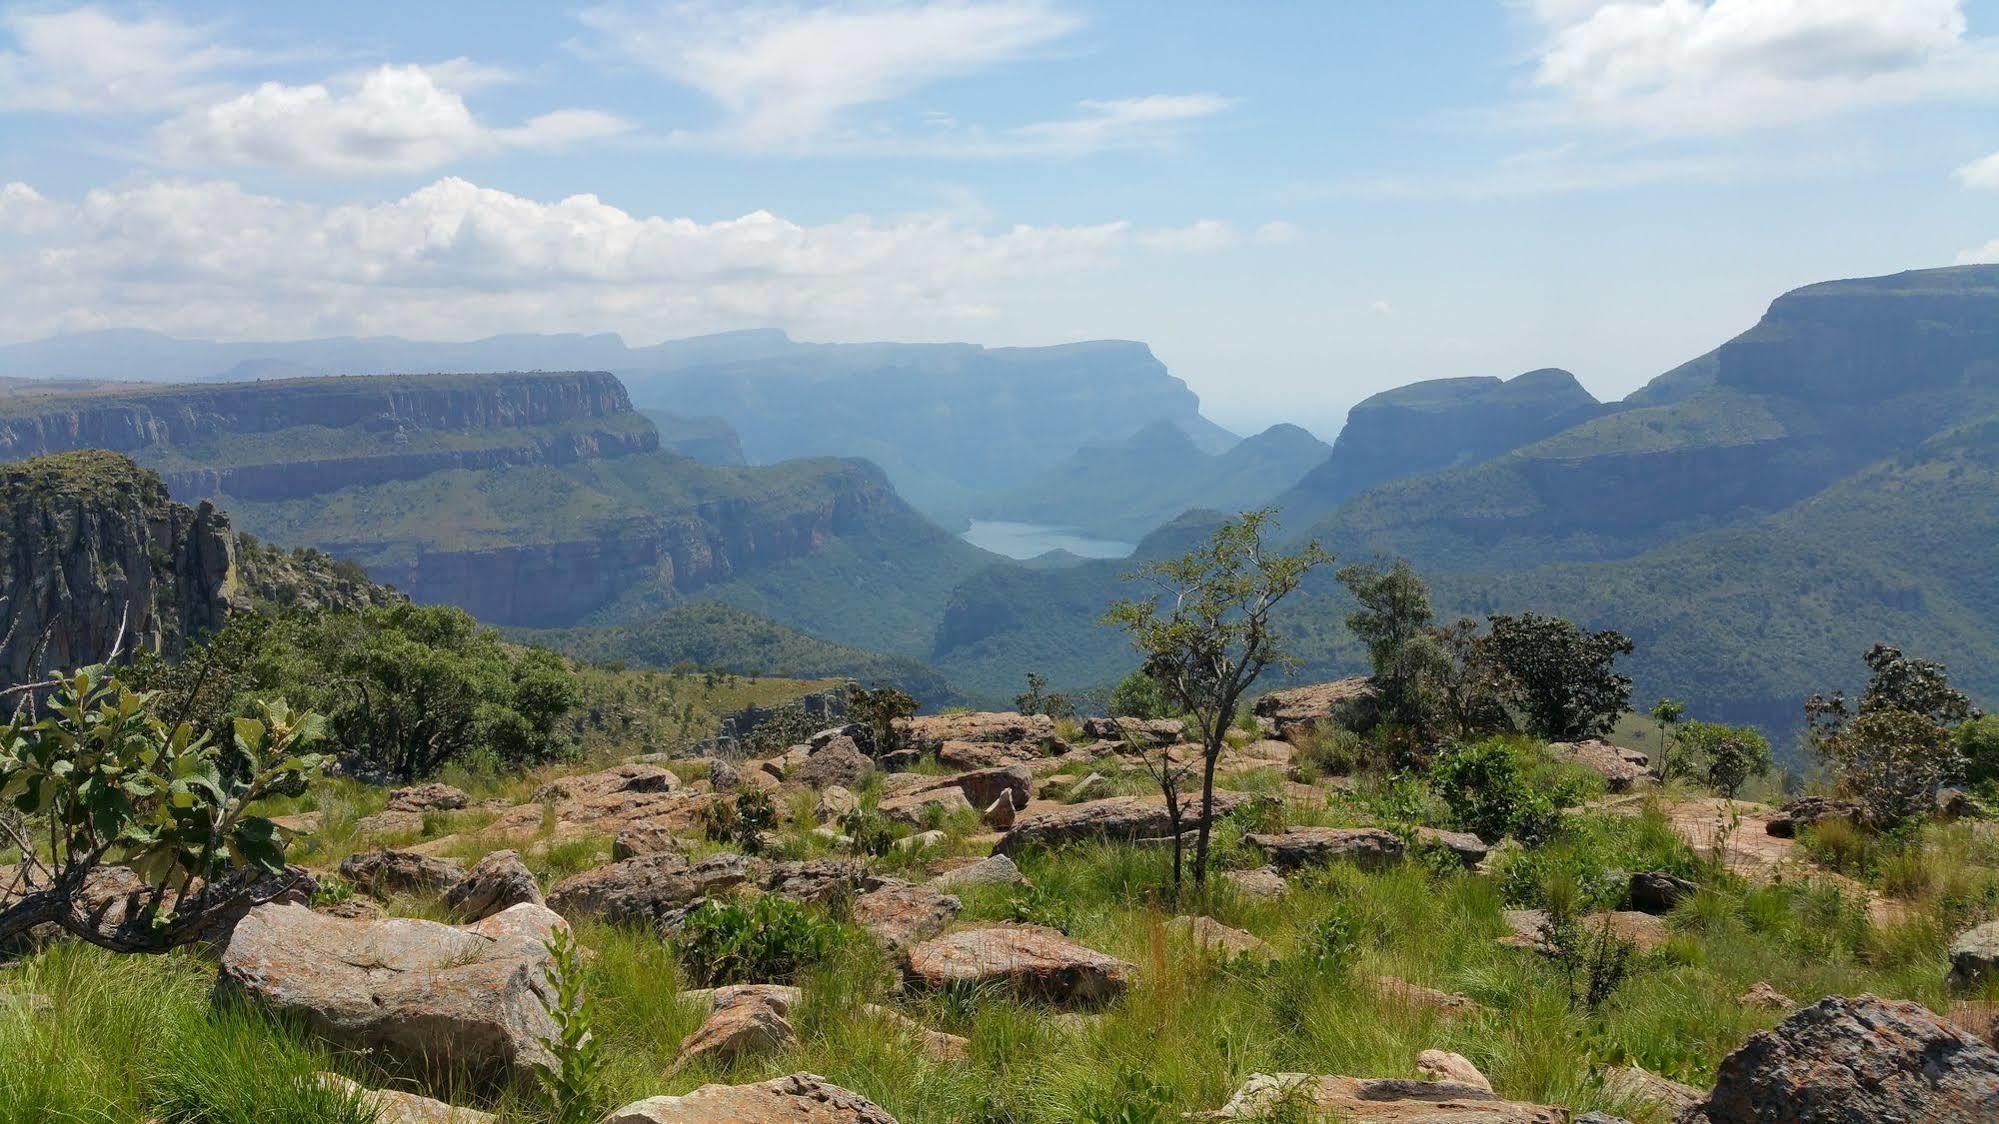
(1296, 204)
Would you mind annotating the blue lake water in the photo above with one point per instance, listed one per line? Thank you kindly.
(1030, 540)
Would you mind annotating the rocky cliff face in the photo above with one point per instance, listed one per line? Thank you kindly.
(94, 556)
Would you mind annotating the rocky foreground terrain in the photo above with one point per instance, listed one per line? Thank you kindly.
(997, 949)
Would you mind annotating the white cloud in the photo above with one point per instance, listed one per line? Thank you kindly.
(1987, 254)
(454, 259)
(88, 60)
(786, 72)
(1667, 67)
(1981, 173)
(1277, 232)
(389, 119)
(1118, 123)
(1195, 237)
(1381, 308)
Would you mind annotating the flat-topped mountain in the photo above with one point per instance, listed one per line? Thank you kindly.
(1124, 489)
(1433, 425)
(530, 499)
(953, 425)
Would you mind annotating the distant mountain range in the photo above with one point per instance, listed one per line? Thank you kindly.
(1753, 518)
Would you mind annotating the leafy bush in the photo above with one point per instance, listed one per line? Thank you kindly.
(1334, 941)
(574, 1086)
(878, 710)
(1485, 783)
(741, 821)
(1896, 748)
(1038, 699)
(1139, 695)
(1978, 745)
(868, 832)
(768, 941)
(1560, 678)
(1038, 905)
(1724, 756)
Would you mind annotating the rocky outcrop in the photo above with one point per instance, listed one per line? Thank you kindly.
(400, 872)
(1295, 710)
(1030, 961)
(1620, 768)
(1974, 955)
(391, 1106)
(800, 1098)
(95, 557)
(1298, 847)
(497, 882)
(898, 914)
(426, 995)
(998, 727)
(647, 890)
(1112, 818)
(1845, 1060)
(1210, 937)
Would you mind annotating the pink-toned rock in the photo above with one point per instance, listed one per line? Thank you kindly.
(1209, 937)
(647, 889)
(423, 994)
(498, 881)
(1114, 818)
(431, 797)
(743, 1021)
(1641, 1086)
(391, 871)
(918, 808)
(1298, 847)
(983, 786)
(1455, 1069)
(1031, 961)
(899, 914)
(1144, 731)
(989, 755)
(1295, 710)
(1620, 768)
(1263, 884)
(800, 1098)
(1768, 998)
(931, 731)
(993, 870)
(1399, 990)
(1000, 814)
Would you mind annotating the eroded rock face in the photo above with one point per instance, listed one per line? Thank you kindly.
(840, 762)
(1295, 710)
(498, 881)
(391, 871)
(1298, 847)
(1145, 731)
(1365, 1101)
(1032, 961)
(1112, 818)
(1469, 849)
(1655, 891)
(821, 882)
(918, 808)
(430, 996)
(983, 786)
(988, 755)
(1810, 811)
(1446, 1067)
(1847, 1060)
(993, 870)
(800, 1098)
(1643, 1087)
(899, 914)
(743, 1021)
(1263, 884)
(646, 889)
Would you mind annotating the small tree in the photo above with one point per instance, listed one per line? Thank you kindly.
(1667, 713)
(1896, 749)
(1470, 691)
(1394, 620)
(109, 784)
(1206, 635)
(1038, 699)
(1139, 695)
(879, 710)
(1170, 772)
(1562, 679)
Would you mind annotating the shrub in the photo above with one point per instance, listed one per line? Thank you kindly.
(878, 710)
(1486, 786)
(1038, 905)
(1978, 744)
(1334, 941)
(1139, 695)
(1560, 678)
(741, 821)
(768, 941)
(1895, 749)
(868, 832)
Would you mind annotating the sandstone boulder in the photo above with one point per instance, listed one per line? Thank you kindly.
(898, 914)
(1112, 818)
(1450, 1069)
(430, 996)
(1642, 1087)
(1810, 811)
(800, 1098)
(834, 802)
(988, 755)
(1031, 961)
(498, 881)
(1152, 732)
(390, 871)
(840, 762)
(1005, 728)
(1298, 847)
(743, 1021)
(1295, 710)
(993, 870)
(1619, 767)
(1845, 1060)
(930, 806)
(1392, 1100)
(821, 882)
(1655, 891)
(647, 889)
(1209, 937)
(983, 786)
(1469, 849)
(1974, 955)
(1762, 995)
(1262, 884)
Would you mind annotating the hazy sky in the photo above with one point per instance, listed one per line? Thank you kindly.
(1296, 204)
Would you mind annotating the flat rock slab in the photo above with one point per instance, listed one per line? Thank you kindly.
(983, 786)
(1619, 767)
(496, 882)
(1001, 727)
(1113, 818)
(800, 1098)
(1293, 711)
(400, 872)
(1031, 961)
(1468, 848)
(741, 1022)
(1844, 1060)
(1393, 1100)
(428, 995)
(1641, 929)
(645, 889)
(1298, 847)
(993, 870)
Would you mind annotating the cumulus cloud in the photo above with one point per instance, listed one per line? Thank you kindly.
(1678, 67)
(785, 72)
(1981, 173)
(389, 119)
(1987, 254)
(455, 259)
(88, 60)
